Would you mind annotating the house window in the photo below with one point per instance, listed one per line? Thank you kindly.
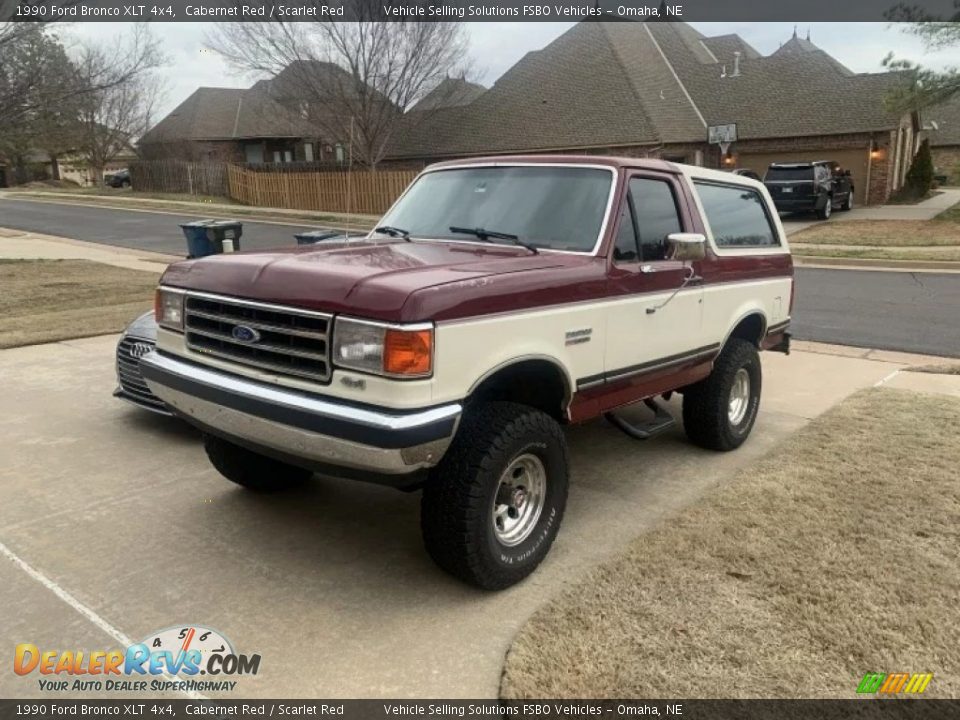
(737, 216)
(276, 156)
(339, 151)
(308, 152)
(288, 155)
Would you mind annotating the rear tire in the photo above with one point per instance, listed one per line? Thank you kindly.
(719, 411)
(825, 212)
(492, 507)
(251, 470)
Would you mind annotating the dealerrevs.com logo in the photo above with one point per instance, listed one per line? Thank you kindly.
(173, 659)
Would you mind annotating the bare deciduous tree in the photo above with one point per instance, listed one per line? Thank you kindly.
(119, 99)
(352, 80)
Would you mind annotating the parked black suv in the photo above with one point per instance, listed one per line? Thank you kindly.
(820, 186)
(119, 179)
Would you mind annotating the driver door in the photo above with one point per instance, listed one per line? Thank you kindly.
(647, 330)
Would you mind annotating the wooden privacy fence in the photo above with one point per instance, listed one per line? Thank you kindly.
(360, 191)
(179, 176)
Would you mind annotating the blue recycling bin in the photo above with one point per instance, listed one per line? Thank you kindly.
(206, 237)
(315, 236)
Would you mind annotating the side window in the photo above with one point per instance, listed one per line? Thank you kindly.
(625, 250)
(737, 216)
(657, 216)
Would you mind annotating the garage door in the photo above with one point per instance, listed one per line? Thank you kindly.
(853, 160)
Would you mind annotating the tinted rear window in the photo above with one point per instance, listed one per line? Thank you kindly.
(802, 173)
(737, 216)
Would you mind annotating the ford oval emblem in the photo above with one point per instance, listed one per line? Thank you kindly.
(246, 334)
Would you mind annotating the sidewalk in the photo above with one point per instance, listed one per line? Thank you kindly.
(22, 245)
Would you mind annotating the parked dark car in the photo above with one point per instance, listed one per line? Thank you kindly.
(119, 179)
(137, 340)
(821, 186)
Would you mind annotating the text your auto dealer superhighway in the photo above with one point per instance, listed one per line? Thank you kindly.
(261, 11)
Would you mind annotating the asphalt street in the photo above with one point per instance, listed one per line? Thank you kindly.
(913, 312)
(154, 231)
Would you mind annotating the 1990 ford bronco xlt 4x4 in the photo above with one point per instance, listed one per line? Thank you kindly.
(497, 300)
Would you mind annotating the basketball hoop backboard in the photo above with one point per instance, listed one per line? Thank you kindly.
(722, 134)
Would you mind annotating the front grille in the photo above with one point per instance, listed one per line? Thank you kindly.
(287, 341)
(132, 385)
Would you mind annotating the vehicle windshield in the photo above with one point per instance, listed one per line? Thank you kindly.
(544, 206)
(789, 173)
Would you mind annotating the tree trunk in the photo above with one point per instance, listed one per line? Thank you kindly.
(98, 171)
(54, 168)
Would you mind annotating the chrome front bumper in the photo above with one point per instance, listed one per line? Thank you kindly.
(304, 428)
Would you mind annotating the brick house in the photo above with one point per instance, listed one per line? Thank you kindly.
(652, 89)
(265, 123)
(945, 138)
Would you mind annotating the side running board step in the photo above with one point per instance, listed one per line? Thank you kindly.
(659, 423)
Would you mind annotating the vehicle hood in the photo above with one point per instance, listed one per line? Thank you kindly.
(396, 281)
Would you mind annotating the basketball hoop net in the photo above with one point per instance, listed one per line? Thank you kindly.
(724, 147)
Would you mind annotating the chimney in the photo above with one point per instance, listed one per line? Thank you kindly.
(736, 64)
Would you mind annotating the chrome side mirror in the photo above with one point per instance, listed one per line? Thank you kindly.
(687, 246)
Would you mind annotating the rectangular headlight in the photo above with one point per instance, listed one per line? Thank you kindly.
(168, 309)
(382, 349)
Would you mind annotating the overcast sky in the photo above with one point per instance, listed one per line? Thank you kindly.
(496, 46)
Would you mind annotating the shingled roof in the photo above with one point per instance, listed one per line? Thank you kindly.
(229, 114)
(947, 118)
(451, 92)
(638, 83)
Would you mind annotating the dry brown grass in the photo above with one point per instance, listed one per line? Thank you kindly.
(47, 300)
(836, 555)
(942, 254)
(882, 233)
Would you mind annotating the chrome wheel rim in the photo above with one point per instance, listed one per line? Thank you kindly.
(739, 397)
(828, 208)
(519, 500)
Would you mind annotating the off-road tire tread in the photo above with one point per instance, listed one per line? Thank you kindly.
(705, 404)
(453, 513)
(251, 470)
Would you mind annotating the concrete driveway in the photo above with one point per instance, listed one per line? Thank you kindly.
(114, 525)
(926, 210)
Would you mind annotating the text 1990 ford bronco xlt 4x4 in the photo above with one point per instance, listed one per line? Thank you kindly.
(498, 300)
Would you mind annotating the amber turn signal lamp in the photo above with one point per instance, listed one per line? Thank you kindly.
(408, 352)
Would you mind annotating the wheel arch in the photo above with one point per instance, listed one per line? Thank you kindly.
(750, 326)
(510, 380)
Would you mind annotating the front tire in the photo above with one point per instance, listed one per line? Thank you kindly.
(719, 411)
(848, 203)
(492, 508)
(251, 470)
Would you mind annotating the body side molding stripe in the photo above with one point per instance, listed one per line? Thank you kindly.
(659, 364)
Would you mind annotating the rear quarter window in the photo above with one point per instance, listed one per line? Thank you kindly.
(737, 216)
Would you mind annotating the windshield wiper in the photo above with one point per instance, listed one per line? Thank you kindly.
(487, 235)
(393, 232)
